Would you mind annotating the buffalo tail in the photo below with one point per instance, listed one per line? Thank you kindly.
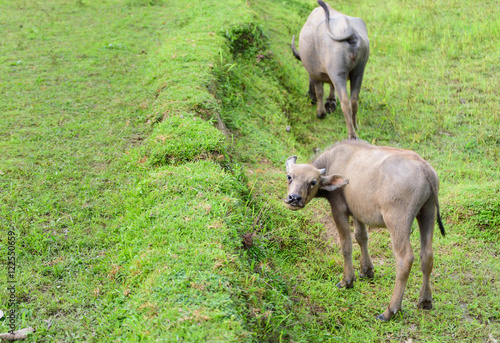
(294, 50)
(440, 223)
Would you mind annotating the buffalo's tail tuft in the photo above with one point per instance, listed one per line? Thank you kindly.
(294, 49)
(440, 223)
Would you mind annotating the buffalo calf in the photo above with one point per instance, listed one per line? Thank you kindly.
(379, 187)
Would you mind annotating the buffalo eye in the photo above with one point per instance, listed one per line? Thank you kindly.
(314, 183)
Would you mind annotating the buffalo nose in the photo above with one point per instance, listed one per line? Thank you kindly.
(294, 197)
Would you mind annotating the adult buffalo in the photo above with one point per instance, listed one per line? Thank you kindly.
(334, 48)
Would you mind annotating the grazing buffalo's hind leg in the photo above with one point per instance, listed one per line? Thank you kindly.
(340, 84)
(356, 78)
(320, 111)
(311, 93)
(331, 101)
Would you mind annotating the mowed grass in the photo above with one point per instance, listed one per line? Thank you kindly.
(72, 92)
(106, 167)
(130, 206)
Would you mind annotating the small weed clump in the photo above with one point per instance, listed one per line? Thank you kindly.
(245, 38)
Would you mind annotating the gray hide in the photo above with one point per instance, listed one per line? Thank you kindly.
(334, 48)
(379, 187)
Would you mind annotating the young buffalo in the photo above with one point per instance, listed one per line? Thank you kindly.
(379, 187)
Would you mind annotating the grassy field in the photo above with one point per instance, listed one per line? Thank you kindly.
(143, 170)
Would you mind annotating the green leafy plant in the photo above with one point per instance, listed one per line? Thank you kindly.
(245, 38)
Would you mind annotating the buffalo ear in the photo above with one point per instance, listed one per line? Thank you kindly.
(332, 182)
(289, 162)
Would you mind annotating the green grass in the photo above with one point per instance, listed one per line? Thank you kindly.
(86, 85)
(130, 205)
(177, 139)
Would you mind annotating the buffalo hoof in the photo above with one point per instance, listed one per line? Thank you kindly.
(330, 106)
(425, 305)
(383, 318)
(321, 115)
(346, 284)
(367, 273)
(387, 315)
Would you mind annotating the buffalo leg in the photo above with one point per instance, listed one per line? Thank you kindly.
(312, 92)
(426, 219)
(331, 101)
(342, 224)
(318, 87)
(341, 88)
(362, 238)
(400, 236)
(356, 80)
